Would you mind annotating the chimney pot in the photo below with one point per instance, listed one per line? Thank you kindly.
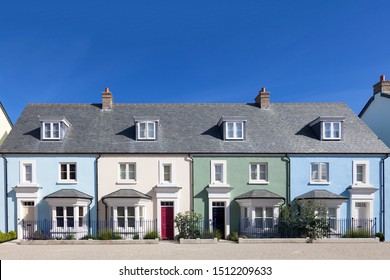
(382, 78)
(107, 99)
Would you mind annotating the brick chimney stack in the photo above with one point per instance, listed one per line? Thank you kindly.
(262, 99)
(382, 86)
(107, 99)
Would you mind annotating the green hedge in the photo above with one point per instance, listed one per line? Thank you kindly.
(4, 237)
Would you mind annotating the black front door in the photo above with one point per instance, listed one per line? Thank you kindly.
(219, 220)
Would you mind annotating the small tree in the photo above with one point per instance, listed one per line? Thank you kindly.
(306, 218)
(188, 225)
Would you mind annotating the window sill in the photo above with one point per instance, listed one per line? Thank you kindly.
(166, 185)
(258, 183)
(319, 183)
(23, 185)
(126, 183)
(219, 185)
(67, 183)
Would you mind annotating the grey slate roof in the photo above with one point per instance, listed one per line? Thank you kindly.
(259, 194)
(127, 193)
(320, 194)
(69, 193)
(191, 128)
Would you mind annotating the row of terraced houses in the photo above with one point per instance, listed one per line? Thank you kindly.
(79, 165)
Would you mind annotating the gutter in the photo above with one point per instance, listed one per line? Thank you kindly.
(5, 192)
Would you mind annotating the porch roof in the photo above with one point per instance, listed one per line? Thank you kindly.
(127, 193)
(69, 193)
(320, 194)
(259, 194)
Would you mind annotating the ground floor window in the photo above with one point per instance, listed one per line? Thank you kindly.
(65, 216)
(264, 217)
(127, 216)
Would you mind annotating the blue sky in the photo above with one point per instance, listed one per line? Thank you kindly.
(191, 51)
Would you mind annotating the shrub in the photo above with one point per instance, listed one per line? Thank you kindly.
(188, 225)
(4, 237)
(136, 236)
(381, 236)
(356, 233)
(152, 235)
(218, 234)
(233, 236)
(86, 237)
(109, 235)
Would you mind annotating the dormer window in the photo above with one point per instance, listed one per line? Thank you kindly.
(331, 130)
(146, 128)
(53, 128)
(233, 128)
(328, 128)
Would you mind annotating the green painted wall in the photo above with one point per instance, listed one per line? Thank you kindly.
(238, 179)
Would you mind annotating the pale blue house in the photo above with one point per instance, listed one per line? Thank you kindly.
(49, 182)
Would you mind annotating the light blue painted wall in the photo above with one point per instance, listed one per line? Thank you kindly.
(47, 170)
(387, 199)
(340, 177)
(3, 217)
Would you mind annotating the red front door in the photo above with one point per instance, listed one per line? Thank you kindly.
(167, 225)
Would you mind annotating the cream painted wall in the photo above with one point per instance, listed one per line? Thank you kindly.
(5, 126)
(148, 177)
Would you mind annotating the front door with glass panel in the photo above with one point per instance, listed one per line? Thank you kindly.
(219, 217)
(167, 223)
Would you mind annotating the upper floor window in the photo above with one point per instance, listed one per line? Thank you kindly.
(233, 128)
(53, 128)
(67, 172)
(218, 172)
(319, 172)
(167, 173)
(360, 173)
(331, 130)
(127, 172)
(27, 172)
(258, 172)
(146, 128)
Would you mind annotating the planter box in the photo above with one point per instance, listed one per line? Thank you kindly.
(88, 242)
(198, 241)
(306, 240)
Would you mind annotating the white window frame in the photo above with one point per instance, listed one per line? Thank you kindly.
(213, 164)
(319, 180)
(162, 179)
(127, 180)
(332, 131)
(264, 219)
(366, 175)
(147, 136)
(139, 215)
(258, 180)
(235, 130)
(22, 172)
(51, 137)
(68, 180)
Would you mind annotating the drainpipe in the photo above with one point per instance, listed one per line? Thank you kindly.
(97, 192)
(288, 190)
(5, 192)
(383, 194)
(191, 160)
